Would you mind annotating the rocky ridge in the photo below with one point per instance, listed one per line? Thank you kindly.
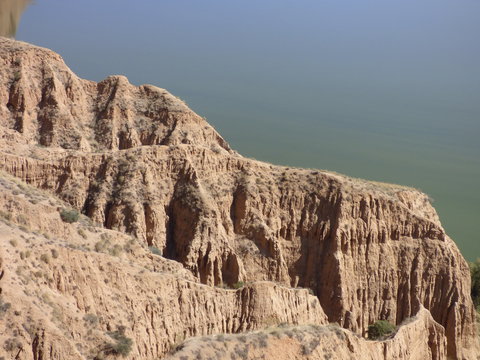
(138, 161)
(322, 342)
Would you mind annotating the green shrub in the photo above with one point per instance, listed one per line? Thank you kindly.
(69, 216)
(238, 285)
(475, 287)
(379, 329)
(155, 250)
(17, 75)
(101, 245)
(122, 345)
(115, 250)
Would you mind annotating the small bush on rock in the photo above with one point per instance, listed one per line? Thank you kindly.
(238, 285)
(122, 345)
(69, 216)
(379, 329)
(155, 250)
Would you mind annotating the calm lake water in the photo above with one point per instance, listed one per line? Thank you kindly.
(383, 90)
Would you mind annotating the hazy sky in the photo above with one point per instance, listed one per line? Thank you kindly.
(339, 59)
(386, 90)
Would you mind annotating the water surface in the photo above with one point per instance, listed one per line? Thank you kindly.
(383, 90)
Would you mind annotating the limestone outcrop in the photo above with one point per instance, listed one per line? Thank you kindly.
(137, 161)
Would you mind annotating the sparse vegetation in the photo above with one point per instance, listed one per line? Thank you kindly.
(103, 244)
(14, 242)
(4, 307)
(91, 319)
(17, 75)
(5, 215)
(12, 344)
(380, 329)
(69, 216)
(238, 285)
(155, 250)
(82, 233)
(115, 250)
(45, 258)
(122, 345)
(241, 351)
(310, 347)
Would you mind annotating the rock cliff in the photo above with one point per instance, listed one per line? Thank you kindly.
(136, 161)
(418, 339)
(65, 287)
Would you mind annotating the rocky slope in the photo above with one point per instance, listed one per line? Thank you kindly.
(65, 287)
(418, 339)
(138, 161)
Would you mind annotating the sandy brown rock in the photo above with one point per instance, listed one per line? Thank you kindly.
(42, 102)
(418, 339)
(137, 160)
(65, 294)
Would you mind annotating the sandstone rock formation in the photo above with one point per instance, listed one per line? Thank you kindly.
(138, 161)
(421, 338)
(68, 286)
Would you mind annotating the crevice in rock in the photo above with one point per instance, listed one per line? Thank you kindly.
(170, 248)
(106, 215)
(150, 223)
(166, 139)
(230, 270)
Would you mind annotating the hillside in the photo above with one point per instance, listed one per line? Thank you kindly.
(181, 238)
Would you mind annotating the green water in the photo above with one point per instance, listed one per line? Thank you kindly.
(382, 90)
(418, 153)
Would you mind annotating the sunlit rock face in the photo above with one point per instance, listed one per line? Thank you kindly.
(10, 13)
(181, 237)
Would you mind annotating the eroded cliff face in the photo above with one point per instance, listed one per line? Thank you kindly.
(68, 286)
(418, 339)
(138, 161)
(44, 103)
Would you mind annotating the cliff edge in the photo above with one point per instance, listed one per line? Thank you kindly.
(184, 218)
